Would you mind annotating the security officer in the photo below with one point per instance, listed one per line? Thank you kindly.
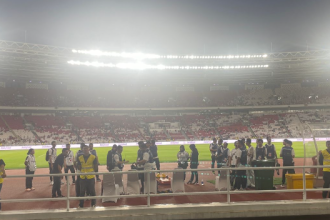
(250, 158)
(183, 157)
(232, 163)
(271, 150)
(78, 154)
(287, 153)
(222, 155)
(110, 155)
(213, 149)
(93, 151)
(57, 168)
(87, 163)
(144, 161)
(117, 158)
(241, 180)
(69, 164)
(219, 154)
(325, 160)
(51, 155)
(261, 151)
(154, 151)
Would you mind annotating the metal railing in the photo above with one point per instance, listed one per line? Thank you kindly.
(228, 192)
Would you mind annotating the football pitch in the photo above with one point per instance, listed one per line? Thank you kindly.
(14, 159)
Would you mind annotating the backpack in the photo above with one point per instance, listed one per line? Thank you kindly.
(47, 155)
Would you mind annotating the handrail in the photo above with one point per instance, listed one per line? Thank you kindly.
(169, 171)
(68, 198)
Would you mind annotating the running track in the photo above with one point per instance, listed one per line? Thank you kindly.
(14, 188)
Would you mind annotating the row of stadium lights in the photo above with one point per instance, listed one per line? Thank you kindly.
(142, 66)
(154, 56)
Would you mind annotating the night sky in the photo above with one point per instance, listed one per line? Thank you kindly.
(171, 26)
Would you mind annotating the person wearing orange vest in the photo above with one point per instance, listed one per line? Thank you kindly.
(2, 174)
(87, 163)
(325, 161)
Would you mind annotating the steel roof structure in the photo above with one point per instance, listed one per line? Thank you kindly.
(48, 63)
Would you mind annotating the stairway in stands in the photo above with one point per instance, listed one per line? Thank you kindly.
(31, 128)
(15, 135)
(283, 123)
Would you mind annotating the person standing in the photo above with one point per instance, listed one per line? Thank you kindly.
(261, 151)
(232, 163)
(325, 161)
(213, 150)
(287, 153)
(117, 158)
(183, 158)
(193, 164)
(52, 154)
(241, 180)
(2, 175)
(30, 168)
(270, 149)
(59, 163)
(69, 164)
(144, 161)
(250, 158)
(110, 155)
(87, 163)
(219, 154)
(78, 154)
(154, 151)
(93, 151)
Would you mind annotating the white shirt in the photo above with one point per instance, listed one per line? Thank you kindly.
(116, 159)
(31, 162)
(69, 159)
(52, 152)
(146, 158)
(233, 155)
(211, 148)
(183, 156)
(251, 153)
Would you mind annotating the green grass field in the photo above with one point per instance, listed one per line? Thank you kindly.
(14, 159)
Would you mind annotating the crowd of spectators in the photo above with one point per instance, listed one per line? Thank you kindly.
(42, 129)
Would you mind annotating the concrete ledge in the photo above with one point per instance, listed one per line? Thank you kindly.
(177, 212)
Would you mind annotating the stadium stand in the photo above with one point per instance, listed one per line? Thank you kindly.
(43, 128)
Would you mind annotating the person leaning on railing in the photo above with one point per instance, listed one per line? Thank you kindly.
(2, 175)
(325, 160)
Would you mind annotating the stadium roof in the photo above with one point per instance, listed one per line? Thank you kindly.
(50, 63)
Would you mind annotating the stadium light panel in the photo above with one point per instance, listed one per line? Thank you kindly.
(143, 66)
(141, 56)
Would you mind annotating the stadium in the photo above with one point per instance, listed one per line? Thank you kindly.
(80, 95)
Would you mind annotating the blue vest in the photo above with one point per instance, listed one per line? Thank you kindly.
(270, 151)
(287, 156)
(260, 152)
(244, 156)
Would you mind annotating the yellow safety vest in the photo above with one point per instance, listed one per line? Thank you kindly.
(1, 179)
(326, 160)
(87, 167)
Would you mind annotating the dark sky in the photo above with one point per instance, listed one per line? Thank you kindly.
(170, 26)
